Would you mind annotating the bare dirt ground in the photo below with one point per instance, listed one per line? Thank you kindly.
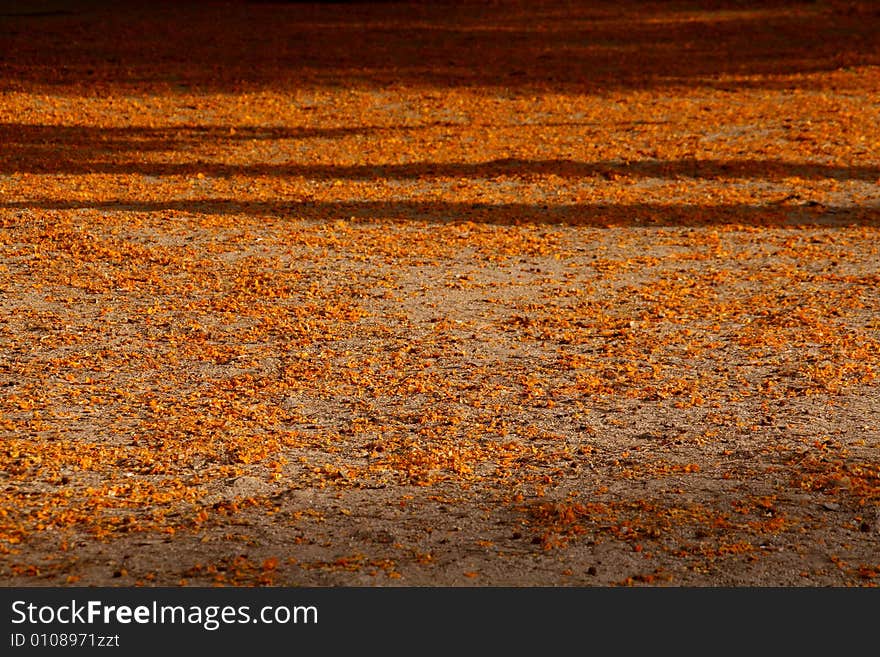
(440, 294)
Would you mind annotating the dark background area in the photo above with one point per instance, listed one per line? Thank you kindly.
(170, 46)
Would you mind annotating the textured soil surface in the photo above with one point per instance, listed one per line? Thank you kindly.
(435, 294)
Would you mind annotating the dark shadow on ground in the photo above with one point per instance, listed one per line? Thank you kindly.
(101, 47)
(645, 214)
(83, 150)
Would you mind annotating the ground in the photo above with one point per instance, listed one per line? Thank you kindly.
(440, 294)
